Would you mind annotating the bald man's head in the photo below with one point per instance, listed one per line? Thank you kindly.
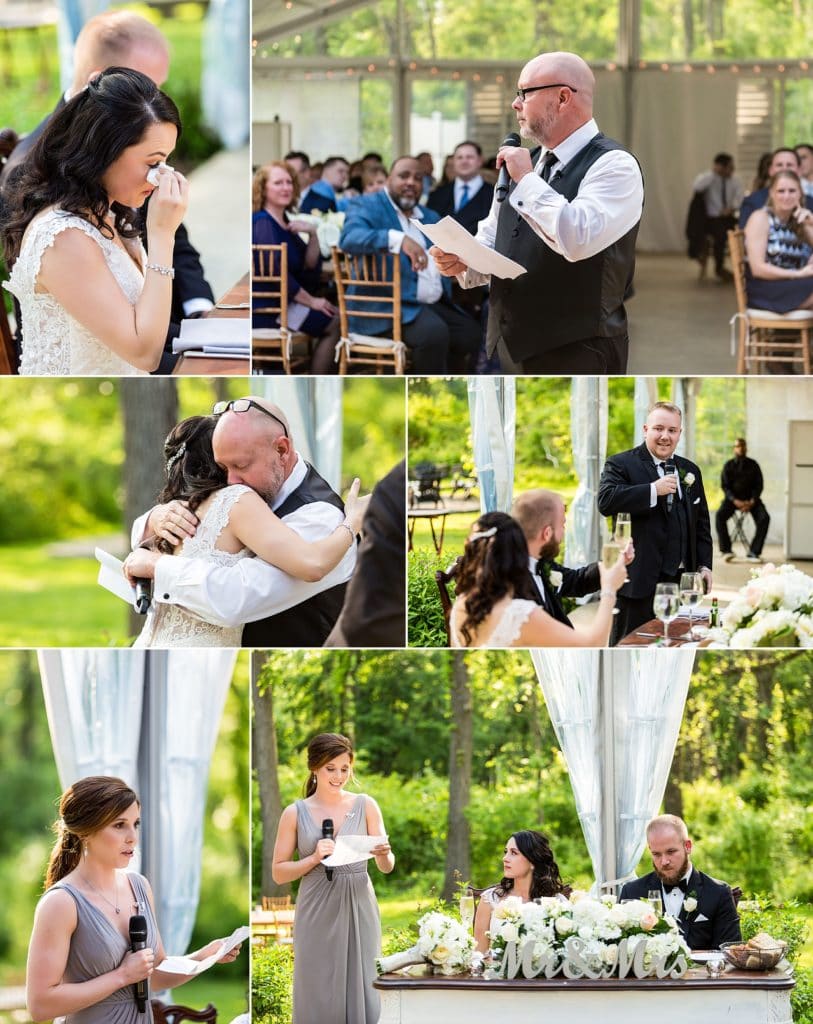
(119, 39)
(550, 115)
(255, 446)
(541, 515)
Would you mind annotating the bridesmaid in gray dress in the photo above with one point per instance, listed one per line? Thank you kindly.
(337, 931)
(80, 965)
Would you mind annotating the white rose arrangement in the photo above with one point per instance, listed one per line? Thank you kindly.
(555, 579)
(442, 942)
(329, 226)
(689, 479)
(774, 609)
(690, 904)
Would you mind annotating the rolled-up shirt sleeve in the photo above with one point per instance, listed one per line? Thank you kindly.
(608, 205)
(251, 589)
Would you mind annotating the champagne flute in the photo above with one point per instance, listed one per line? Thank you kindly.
(623, 530)
(609, 556)
(691, 593)
(666, 606)
(467, 911)
(654, 897)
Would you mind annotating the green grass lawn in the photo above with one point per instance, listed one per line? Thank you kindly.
(55, 602)
(230, 996)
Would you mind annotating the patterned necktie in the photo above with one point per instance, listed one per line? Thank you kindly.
(550, 160)
(464, 196)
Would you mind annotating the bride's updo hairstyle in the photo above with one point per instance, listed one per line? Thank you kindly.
(546, 880)
(67, 163)
(323, 749)
(494, 563)
(85, 807)
(192, 473)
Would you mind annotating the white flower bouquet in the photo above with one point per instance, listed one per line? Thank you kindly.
(774, 609)
(329, 226)
(442, 942)
(584, 937)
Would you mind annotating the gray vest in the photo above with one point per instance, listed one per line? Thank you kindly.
(557, 302)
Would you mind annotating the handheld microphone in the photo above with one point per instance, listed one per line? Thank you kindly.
(327, 833)
(143, 596)
(138, 940)
(669, 467)
(504, 179)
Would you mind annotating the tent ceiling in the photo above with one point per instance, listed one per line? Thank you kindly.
(279, 18)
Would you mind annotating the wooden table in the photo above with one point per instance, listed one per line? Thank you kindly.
(653, 632)
(211, 366)
(747, 997)
(273, 925)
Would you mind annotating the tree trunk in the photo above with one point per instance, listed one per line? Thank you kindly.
(266, 765)
(688, 29)
(149, 411)
(458, 847)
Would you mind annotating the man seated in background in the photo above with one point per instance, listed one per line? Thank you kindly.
(322, 196)
(722, 194)
(440, 337)
(741, 481)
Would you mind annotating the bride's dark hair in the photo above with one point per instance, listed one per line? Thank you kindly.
(192, 473)
(82, 139)
(494, 563)
(546, 880)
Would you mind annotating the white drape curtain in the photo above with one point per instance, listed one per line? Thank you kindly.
(151, 718)
(225, 85)
(493, 415)
(313, 406)
(616, 715)
(71, 16)
(588, 424)
(645, 395)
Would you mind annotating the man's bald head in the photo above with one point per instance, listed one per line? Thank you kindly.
(255, 447)
(550, 115)
(541, 516)
(119, 39)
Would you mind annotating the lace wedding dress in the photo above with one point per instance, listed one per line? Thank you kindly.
(168, 625)
(507, 630)
(54, 344)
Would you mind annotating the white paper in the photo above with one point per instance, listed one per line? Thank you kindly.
(352, 849)
(186, 965)
(452, 237)
(222, 334)
(112, 578)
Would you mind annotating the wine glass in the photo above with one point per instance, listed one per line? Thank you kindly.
(654, 897)
(666, 606)
(467, 911)
(691, 593)
(623, 530)
(609, 556)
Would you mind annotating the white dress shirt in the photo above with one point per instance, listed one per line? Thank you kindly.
(430, 285)
(540, 586)
(720, 194)
(653, 494)
(608, 204)
(673, 901)
(252, 589)
(474, 185)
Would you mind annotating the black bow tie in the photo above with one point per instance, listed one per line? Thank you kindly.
(683, 885)
(542, 568)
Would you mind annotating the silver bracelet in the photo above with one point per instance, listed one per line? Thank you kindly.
(159, 269)
(608, 593)
(350, 530)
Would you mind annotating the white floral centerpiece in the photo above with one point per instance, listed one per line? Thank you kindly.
(774, 609)
(329, 226)
(584, 937)
(442, 942)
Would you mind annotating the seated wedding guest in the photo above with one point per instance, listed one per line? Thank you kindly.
(496, 602)
(760, 179)
(92, 300)
(702, 906)
(322, 195)
(427, 166)
(337, 935)
(779, 246)
(441, 338)
(529, 871)
(804, 151)
(369, 160)
(671, 529)
(541, 516)
(373, 179)
(448, 170)
(81, 967)
(741, 481)
(275, 192)
(782, 159)
(300, 164)
(467, 198)
(721, 192)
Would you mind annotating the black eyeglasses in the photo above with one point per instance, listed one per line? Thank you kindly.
(522, 93)
(243, 405)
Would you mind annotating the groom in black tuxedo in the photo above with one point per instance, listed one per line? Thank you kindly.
(671, 529)
(541, 514)
(702, 906)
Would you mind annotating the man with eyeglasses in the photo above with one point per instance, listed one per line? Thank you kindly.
(571, 219)
(252, 443)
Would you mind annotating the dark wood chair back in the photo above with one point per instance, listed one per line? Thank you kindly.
(174, 1013)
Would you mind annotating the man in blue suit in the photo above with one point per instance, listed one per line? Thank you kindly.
(439, 335)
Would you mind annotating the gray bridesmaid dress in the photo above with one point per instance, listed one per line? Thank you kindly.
(98, 947)
(337, 932)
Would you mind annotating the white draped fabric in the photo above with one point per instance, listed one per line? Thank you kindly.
(72, 15)
(225, 82)
(588, 423)
(679, 399)
(616, 715)
(493, 415)
(313, 406)
(151, 718)
(645, 395)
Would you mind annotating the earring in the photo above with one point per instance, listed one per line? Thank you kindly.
(85, 851)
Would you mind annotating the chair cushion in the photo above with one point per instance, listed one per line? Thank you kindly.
(795, 314)
(372, 340)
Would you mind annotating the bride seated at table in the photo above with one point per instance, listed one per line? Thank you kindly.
(529, 872)
(495, 605)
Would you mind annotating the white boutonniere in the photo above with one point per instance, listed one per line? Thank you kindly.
(688, 479)
(555, 579)
(690, 904)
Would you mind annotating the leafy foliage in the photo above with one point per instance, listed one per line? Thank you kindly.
(425, 623)
(272, 978)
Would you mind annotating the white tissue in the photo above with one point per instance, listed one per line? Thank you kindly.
(154, 173)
